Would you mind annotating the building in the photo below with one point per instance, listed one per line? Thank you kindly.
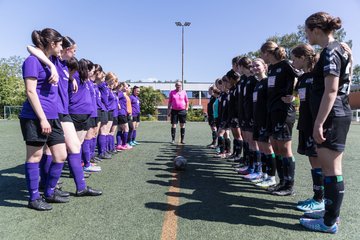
(197, 93)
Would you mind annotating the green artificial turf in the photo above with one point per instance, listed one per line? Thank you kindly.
(214, 202)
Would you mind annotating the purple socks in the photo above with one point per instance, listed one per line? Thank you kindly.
(32, 180)
(77, 170)
(118, 138)
(133, 135)
(124, 138)
(44, 168)
(86, 154)
(102, 143)
(53, 178)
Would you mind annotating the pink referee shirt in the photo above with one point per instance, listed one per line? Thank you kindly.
(178, 100)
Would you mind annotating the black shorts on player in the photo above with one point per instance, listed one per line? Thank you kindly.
(115, 121)
(234, 123)
(81, 121)
(306, 145)
(280, 125)
(110, 116)
(335, 131)
(92, 122)
(122, 119)
(65, 117)
(178, 116)
(32, 135)
(102, 117)
(260, 134)
(136, 118)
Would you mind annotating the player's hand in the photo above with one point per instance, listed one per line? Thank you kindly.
(45, 127)
(318, 133)
(169, 114)
(75, 86)
(54, 77)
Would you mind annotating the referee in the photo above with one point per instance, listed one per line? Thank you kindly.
(177, 110)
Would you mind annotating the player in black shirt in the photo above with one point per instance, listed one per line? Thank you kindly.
(281, 80)
(260, 134)
(210, 116)
(332, 113)
(304, 58)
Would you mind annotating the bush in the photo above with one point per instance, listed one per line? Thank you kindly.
(195, 115)
(148, 118)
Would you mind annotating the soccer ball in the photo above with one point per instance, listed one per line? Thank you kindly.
(180, 163)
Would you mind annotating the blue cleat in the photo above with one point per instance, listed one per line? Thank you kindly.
(318, 225)
(311, 205)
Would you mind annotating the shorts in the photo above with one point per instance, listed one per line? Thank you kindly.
(81, 121)
(306, 145)
(280, 125)
(178, 116)
(102, 117)
(136, 118)
(260, 133)
(234, 123)
(122, 119)
(216, 123)
(92, 122)
(248, 125)
(224, 125)
(335, 132)
(32, 135)
(110, 115)
(211, 120)
(65, 117)
(115, 121)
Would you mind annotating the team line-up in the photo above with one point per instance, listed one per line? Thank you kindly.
(73, 106)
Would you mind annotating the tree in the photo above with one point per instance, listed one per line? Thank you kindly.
(150, 98)
(356, 74)
(12, 88)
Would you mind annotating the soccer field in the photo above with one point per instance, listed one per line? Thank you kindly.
(145, 199)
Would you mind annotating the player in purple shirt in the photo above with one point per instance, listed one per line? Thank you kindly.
(122, 119)
(135, 105)
(73, 144)
(40, 123)
(112, 105)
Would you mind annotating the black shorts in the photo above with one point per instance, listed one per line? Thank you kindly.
(136, 118)
(102, 117)
(335, 132)
(235, 123)
(122, 119)
(280, 125)
(216, 123)
(224, 125)
(65, 117)
(32, 135)
(115, 121)
(210, 120)
(81, 121)
(260, 133)
(248, 125)
(92, 122)
(178, 116)
(306, 145)
(110, 115)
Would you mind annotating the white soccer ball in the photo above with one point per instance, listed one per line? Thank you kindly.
(180, 163)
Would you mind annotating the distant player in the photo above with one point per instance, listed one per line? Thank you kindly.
(135, 105)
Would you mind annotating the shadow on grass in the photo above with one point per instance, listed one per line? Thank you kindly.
(13, 187)
(218, 193)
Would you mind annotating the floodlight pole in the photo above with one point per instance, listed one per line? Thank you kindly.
(182, 25)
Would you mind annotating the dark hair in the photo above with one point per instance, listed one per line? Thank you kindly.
(90, 65)
(98, 68)
(232, 75)
(73, 64)
(323, 21)
(271, 47)
(68, 42)
(245, 62)
(216, 91)
(83, 70)
(235, 60)
(305, 50)
(134, 88)
(43, 38)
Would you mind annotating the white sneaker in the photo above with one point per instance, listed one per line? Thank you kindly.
(92, 169)
(270, 181)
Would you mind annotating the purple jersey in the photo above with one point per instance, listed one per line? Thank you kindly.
(111, 105)
(122, 102)
(104, 90)
(47, 93)
(63, 71)
(93, 98)
(135, 105)
(80, 101)
(116, 110)
(99, 103)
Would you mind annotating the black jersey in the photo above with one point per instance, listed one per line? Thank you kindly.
(335, 61)
(303, 87)
(240, 99)
(210, 111)
(281, 78)
(233, 102)
(248, 97)
(259, 102)
(223, 107)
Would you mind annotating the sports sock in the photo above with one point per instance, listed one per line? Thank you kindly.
(279, 167)
(32, 180)
(133, 135)
(76, 169)
(214, 135)
(53, 178)
(102, 143)
(221, 142)
(173, 131)
(227, 144)
(239, 147)
(263, 163)
(44, 168)
(334, 194)
(124, 138)
(318, 184)
(182, 134)
(85, 152)
(118, 138)
(271, 164)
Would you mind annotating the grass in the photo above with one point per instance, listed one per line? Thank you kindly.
(214, 202)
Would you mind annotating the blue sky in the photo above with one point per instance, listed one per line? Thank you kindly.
(138, 40)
